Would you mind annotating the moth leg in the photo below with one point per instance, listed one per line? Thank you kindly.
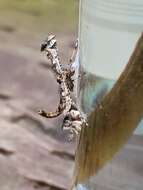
(74, 51)
(50, 114)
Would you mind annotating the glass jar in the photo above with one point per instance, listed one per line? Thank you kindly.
(108, 33)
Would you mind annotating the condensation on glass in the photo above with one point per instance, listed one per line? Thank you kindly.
(108, 32)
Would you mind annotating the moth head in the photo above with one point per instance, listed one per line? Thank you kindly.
(49, 43)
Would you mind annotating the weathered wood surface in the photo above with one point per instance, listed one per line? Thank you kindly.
(34, 152)
(124, 171)
(24, 156)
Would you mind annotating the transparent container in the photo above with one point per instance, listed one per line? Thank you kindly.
(108, 33)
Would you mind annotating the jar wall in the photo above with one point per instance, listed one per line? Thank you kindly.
(108, 32)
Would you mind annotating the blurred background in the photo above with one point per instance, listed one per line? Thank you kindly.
(34, 152)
